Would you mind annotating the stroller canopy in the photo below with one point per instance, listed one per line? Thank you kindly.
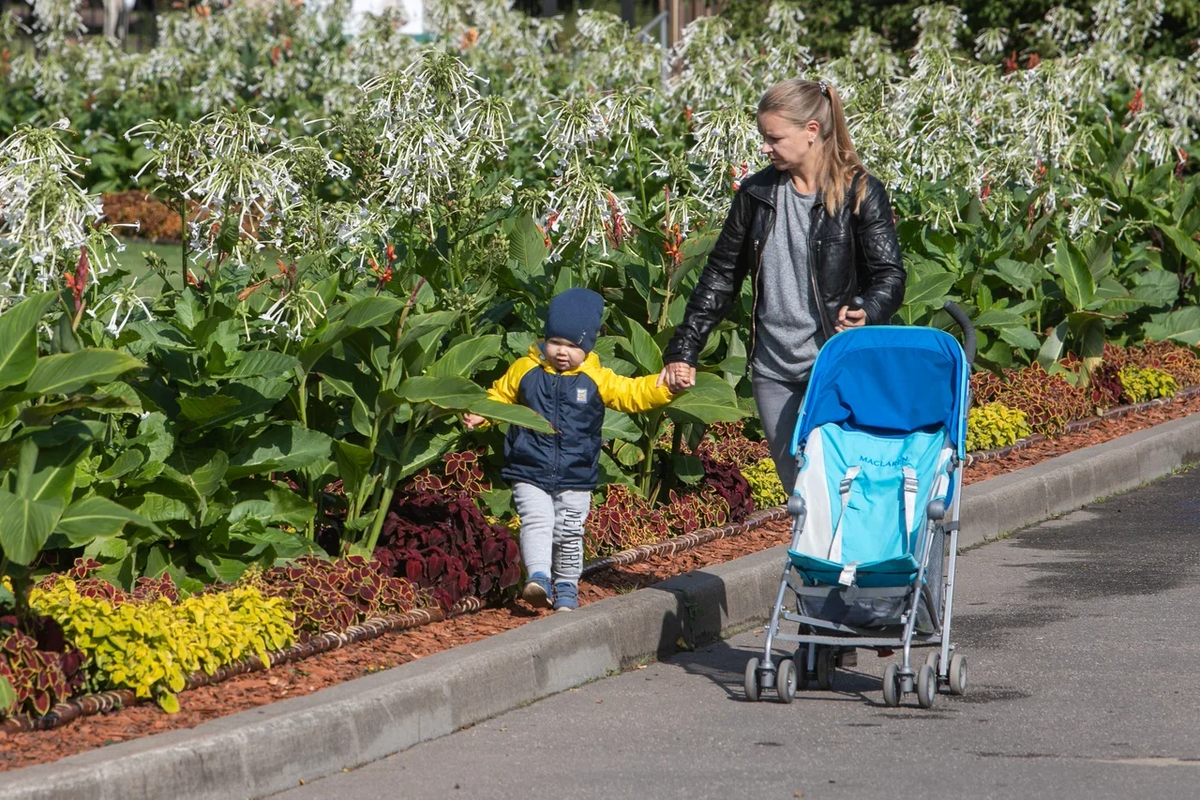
(888, 379)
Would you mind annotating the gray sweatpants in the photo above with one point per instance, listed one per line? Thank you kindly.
(778, 408)
(552, 531)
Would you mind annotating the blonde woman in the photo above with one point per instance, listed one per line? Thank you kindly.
(815, 232)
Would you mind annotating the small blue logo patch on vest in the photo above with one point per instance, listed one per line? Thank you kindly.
(581, 395)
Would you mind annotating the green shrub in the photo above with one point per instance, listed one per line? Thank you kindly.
(995, 425)
(764, 483)
(1147, 383)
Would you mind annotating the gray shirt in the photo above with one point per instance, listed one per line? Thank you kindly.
(788, 328)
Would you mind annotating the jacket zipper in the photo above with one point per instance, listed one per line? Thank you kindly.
(812, 273)
(760, 246)
(558, 434)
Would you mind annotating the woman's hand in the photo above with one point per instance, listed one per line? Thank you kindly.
(850, 318)
(472, 421)
(677, 376)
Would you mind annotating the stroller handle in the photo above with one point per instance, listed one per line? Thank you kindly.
(968, 330)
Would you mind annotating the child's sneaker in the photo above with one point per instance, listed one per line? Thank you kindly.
(537, 591)
(566, 596)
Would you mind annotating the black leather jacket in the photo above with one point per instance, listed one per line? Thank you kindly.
(849, 254)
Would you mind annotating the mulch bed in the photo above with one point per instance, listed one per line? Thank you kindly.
(390, 650)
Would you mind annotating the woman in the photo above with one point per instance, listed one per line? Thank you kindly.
(815, 231)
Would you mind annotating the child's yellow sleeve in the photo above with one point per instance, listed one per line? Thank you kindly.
(631, 395)
(507, 387)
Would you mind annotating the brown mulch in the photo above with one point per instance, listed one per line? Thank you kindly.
(157, 222)
(394, 649)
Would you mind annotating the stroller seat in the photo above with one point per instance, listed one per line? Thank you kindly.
(867, 495)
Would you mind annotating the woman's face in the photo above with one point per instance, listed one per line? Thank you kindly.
(785, 143)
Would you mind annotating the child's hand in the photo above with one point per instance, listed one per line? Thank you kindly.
(472, 421)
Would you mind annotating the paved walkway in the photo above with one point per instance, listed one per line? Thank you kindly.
(1083, 636)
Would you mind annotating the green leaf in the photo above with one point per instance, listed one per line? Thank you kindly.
(513, 414)
(1185, 244)
(448, 391)
(1052, 347)
(159, 507)
(373, 311)
(262, 363)
(69, 372)
(354, 464)
(710, 400)
(1075, 278)
(86, 519)
(1156, 287)
(1182, 325)
(689, 469)
(1021, 338)
(281, 448)
(25, 525)
(620, 426)
(643, 348)
(18, 338)
(930, 290)
(1021, 275)
(527, 249)
(125, 463)
(1099, 257)
(8, 695)
(463, 358)
(205, 409)
(202, 469)
(999, 318)
(54, 478)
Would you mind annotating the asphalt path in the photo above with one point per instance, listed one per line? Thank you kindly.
(1083, 641)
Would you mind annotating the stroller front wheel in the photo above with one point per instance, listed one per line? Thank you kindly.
(891, 687)
(751, 681)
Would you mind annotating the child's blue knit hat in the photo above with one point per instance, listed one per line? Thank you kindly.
(575, 316)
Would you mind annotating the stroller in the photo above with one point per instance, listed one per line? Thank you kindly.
(880, 443)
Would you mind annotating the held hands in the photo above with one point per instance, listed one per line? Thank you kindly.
(850, 318)
(472, 421)
(678, 376)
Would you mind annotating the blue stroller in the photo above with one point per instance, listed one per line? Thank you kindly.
(880, 444)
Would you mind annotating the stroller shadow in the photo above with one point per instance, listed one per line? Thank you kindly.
(691, 637)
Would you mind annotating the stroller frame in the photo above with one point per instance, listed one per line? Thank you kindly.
(823, 645)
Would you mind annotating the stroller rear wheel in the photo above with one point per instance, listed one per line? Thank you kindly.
(751, 682)
(891, 686)
(785, 680)
(826, 668)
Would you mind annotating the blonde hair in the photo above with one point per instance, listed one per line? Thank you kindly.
(799, 102)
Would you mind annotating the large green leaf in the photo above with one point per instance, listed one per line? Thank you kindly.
(18, 338)
(447, 391)
(618, 425)
(86, 519)
(354, 464)
(1156, 287)
(25, 525)
(1021, 338)
(527, 249)
(373, 311)
(1021, 275)
(1052, 347)
(262, 363)
(1075, 279)
(206, 409)
(463, 358)
(513, 414)
(999, 318)
(69, 372)
(8, 695)
(283, 448)
(643, 348)
(930, 290)
(1185, 244)
(201, 469)
(710, 400)
(1182, 325)
(54, 476)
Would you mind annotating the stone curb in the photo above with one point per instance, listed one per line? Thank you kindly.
(261, 751)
